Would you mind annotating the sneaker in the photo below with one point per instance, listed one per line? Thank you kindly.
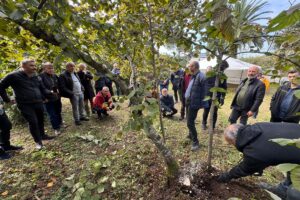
(12, 148)
(57, 132)
(84, 119)
(203, 127)
(39, 146)
(3, 154)
(47, 137)
(77, 123)
(195, 147)
(279, 191)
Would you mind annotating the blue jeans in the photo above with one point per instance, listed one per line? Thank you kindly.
(191, 116)
(54, 111)
(78, 107)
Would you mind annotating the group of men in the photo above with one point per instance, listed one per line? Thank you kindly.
(254, 141)
(36, 93)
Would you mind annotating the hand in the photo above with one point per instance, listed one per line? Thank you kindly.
(224, 178)
(250, 113)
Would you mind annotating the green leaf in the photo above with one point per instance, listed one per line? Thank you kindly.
(285, 19)
(217, 89)
(101, 188)
(295, 177)
(207, 98)
(297, 94)
(103, 179)
(286, 167)
(113, 184)
(16, 15)
(284, 142)
(131, 94)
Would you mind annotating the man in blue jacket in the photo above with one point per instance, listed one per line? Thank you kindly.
(194, 96)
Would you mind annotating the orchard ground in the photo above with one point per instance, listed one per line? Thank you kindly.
(98, 161)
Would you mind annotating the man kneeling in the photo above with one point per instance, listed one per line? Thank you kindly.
(103, 102)
(259, 152)
(167, 104)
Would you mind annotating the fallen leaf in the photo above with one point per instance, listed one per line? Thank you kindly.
(50, 184)
(4, 193)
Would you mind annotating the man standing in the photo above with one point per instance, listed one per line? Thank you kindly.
(103, 102)
(70, 87)
(30, 94)
(248, 97)
(85, 78)
(53, 103)
(184, 83)
(259, 152)
(167, 104)
(175, 79)
(210, 83)
(284, 104)
(194, 96)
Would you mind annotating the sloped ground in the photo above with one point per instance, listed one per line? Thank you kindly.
(98, 161)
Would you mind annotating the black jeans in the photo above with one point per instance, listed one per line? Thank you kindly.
(172, 111)
(34, 115)
(235, 114)
(183, 107)
(5, 127)
(176, 94)
(54, 111)
(205, 115)
(191, 116)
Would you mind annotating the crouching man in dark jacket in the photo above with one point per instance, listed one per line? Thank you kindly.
(167, 104)
(259, 152)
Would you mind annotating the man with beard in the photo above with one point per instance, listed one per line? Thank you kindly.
(248, 97)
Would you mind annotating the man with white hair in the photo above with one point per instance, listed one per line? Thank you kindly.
(70, 87)
(167, 103)
(248, 97)
(260, 152)
(30, 94)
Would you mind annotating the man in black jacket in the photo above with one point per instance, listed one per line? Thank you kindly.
(175, 79)
(53, 103)
(259, 152)
(70, 87)
(248, 97)
(30, 93)
(284, 104)
(210, 83)
(167, 104)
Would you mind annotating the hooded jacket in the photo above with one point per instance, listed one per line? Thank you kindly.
(259, 152)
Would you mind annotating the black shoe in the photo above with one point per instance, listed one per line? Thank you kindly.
(12, 148)
(3, 154)
(47, 137)
(84, 119)
(195, 147)
(106, 114)
(203, 127)
(77, 123)
(181, 118)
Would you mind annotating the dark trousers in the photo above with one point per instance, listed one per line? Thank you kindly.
(205, 115)
(176, 94)
(191, 116)
(34, 115)
(171, 111)
(5, 127)
(183, 107)
(235, 114)
(54, 111)
(101, 112)
(277, 119)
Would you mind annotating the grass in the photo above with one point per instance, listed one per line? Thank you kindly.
(98, 161)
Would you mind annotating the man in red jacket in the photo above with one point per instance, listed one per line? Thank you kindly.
(103, 102)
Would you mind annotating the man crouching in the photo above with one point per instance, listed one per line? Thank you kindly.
(103, 102)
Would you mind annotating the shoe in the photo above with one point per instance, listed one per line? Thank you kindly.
(3, 154)
(57, 132)
(47, 137)
(203, 127)
(195, 147)
(106, 114)
(279, 191)
(12, 148)
(181, 118)
(39, 145)
(77, 123)
(84, 119)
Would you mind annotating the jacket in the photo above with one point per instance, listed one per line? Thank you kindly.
(259, 152)
(210, 83)
(167, 101)
(66, 84)
(85, 79)
(27, 89)
(51, 83)
(99, 101)
(254, 95)
(195, 101)
(175, 79)
(294, 108)
(184, 82)
(103, 81)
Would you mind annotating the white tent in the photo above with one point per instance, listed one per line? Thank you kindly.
(236, 71)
